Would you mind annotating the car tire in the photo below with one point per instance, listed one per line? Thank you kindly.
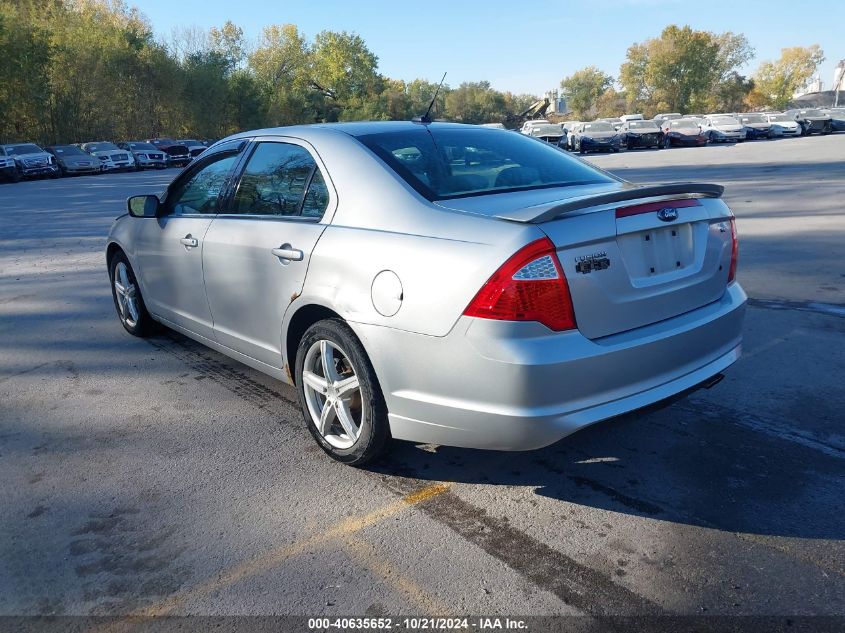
(129, 303)
(355, 429)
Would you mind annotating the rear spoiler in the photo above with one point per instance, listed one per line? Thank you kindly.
(543, 213)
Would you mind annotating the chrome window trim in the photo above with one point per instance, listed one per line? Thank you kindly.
(332, 205)
(274, 218)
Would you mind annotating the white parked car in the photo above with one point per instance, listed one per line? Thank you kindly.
(112, 157)
(783, 125)
(722, 128)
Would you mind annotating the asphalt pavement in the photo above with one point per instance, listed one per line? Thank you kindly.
(159, 477)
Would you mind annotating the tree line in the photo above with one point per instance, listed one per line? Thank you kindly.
(79, 70)
(684, 70)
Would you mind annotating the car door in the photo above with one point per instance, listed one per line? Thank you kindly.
(169, 248)
(256, 253)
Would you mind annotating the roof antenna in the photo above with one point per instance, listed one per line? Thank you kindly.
(425, 118)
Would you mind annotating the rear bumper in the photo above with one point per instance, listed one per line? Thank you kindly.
(519, 386)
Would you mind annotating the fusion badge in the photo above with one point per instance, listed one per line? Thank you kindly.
(588, 263)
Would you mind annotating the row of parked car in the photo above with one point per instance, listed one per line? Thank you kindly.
(28, 160)
(675, 129)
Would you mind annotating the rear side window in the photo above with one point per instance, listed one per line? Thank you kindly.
(442, 163)
(281, 180)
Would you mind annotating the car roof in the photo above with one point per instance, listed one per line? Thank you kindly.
(358, 128)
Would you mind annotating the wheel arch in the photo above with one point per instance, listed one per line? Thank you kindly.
(111, 249)
(304, 317)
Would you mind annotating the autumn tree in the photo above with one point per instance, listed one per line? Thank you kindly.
(681, 69)
(776, 81)
(342, 70)
(475, 102)
(583, 88)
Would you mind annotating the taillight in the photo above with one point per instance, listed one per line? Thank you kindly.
(530, 286)
(734, 252)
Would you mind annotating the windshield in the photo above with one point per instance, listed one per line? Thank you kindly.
(450, 163)
(753, 118)
(100, 147)
(25, 148)
(147, 146)
(780, 117)
(683, 123)
(68, 150)
(813, 113)
(642, 125)
(189, 141)
(599, 127)
(724, 120)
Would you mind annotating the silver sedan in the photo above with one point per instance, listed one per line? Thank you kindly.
(436, 283)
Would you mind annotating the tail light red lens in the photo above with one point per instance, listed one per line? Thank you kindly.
(530, 286)
(734, 252)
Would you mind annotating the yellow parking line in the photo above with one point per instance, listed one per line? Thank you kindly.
(367, 555)
(277, 556)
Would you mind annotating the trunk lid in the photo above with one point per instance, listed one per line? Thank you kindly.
(633, 255)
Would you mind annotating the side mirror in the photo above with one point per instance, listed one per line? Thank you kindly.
(143, 206)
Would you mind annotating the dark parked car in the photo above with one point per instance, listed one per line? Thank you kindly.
(597, 136)
(641, 134)
(177, 154)
(682, 133)
(195, 148)
(812, 120)
(72, 160)
(32, 161)
(756, 125)
(8, 167)
(837, 119)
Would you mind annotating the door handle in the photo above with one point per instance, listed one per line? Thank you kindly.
(190, 242)
(286, 251)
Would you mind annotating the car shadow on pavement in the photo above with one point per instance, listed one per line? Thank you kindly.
(691, 463)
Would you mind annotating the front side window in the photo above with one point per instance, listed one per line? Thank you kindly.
(281, 180)
(200, 191)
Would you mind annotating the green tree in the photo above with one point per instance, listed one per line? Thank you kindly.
(681, 69)
(776, 81)
(476, 102)
(583, 88)
(343, 71)
(281, 65)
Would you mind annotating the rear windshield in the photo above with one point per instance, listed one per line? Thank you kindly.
(454, 163)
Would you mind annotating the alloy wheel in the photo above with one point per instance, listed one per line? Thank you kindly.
(127, 295)
(333, 394)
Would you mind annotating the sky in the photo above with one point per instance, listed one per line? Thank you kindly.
(518, 47)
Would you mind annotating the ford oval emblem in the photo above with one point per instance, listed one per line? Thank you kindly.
(669, 214)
